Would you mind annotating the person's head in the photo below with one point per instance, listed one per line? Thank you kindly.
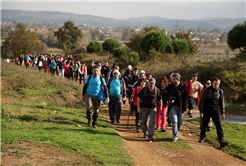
(163, 81)
(175, 78)
(148, 76)
(207, 83)
(194, 77)
(216, 83)
(135, 71)
(129, 75)
(141, 82)
(129, 67)
(83, 63)
(171, 76)
(95, 71)
(151, 83)
(67, 63)
(71, 56)
(116, 73)
(115, 64)
(117, 68)
(106, 63)
(142, 75)
(92, 62)
(99, 64)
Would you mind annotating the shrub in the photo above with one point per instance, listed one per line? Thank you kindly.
(119, 52)
(134, 56)
(110, 45)
(94, 47)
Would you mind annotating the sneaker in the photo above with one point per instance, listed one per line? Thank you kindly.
(190, 115)
(89, 123)
(163, 130)
(150, 138)
(202, 139)
(175, 139)
(223, 144)
(145, 135)
(95, 126)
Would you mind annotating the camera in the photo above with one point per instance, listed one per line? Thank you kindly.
(172, 98)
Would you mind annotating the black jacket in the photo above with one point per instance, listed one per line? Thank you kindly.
(180, 100)
(212, 101)
(163, 94)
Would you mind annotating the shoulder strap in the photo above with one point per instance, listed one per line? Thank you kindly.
(145, 91)
(155, 91)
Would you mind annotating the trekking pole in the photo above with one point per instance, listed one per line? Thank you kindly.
(129, 116)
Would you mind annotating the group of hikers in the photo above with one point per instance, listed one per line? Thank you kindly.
(150, 101)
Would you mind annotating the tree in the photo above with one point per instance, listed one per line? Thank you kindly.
(6, 48)
(133, 56)
(223, 38)
(180, 46)
(237, 37)
(119, 52)
(102, 37)
(154, 40)
(135, 41)
(69, 36)
(152, 28)
(110, 45)
(125, 36)
(94, 47)
(21, 26)
(22, 42)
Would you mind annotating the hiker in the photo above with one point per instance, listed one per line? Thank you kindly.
(104, 71)
(128, 70)
(27, 61)
(66, 69)
(90, 67)
(131, 81)
(39, 62)
(150, 97)
(162, 86)
(193, 87)
(212, 105)
(141, 75)
(82, 72)
(99, 68)
(76, 64)
(111, 71)
(92, 88)
(177, 96)
(148, 76)
(45, 64)
(207, 84)
(140, 85)
(169, 105)
(72, 70)
(52, 66)
(61, 66)
(21, 58)
(117, 92)
(35, 62)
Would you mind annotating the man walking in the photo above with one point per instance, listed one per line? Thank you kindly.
(177, 95)
(117, 90)
(82, 72)
(90, 67)
(150, 97)
(212, 105)
(105, 70)
(92, 88)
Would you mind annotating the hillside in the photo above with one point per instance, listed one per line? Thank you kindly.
(162, 22)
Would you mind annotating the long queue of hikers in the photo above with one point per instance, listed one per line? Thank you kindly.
(150, 101)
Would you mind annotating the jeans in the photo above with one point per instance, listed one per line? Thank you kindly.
(114, 107)
(176, 119)
(80, 78)
(151, 113)
(61, 73)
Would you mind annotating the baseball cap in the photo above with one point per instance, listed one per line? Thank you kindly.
(152, 80)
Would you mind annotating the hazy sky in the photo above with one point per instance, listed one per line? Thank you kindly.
(182, 9)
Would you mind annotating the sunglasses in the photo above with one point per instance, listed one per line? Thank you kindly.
(115, 73)
(208, 83)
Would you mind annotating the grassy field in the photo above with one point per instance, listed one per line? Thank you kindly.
(234, 133)
(38, 108)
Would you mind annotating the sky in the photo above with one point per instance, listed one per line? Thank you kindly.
(182, 9)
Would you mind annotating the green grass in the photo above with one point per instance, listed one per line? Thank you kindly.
(236, 109)
(58, 127)
(166, 139)
(234, 133)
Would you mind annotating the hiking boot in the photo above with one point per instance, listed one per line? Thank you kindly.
(158, 127)
(145, 135)
(118, 121)
(163, 130)
(89, 123)
(208, 129)
(190, 115)
(169, 124)
(150, 138)
(202, 139)
(95, 126)
(223, 144)
(138, 130)
(175, 139)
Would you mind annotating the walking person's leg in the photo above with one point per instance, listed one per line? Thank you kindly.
(138, 118)
(118, 108)
(163, 118)
(111, 107)
(145, 115)
(152, 116)
(62, 73)
(96, 105)
(174, 119)
(217, 122)
(158, 118)
(205, 120)
(180, 118)
(168, 116)
(80, 79)
(89, 109)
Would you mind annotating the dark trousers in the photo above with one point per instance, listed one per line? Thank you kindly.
(168, 113)
(80, 78)
(216, 116)
(52, 71)
(114, 107)
(76, 75)
(138, 121)
(39, 68)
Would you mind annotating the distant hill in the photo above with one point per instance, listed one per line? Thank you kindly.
(161, 22)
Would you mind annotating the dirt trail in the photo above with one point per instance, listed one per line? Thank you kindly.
(151, 153)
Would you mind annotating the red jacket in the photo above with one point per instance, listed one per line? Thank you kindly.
(189, 85)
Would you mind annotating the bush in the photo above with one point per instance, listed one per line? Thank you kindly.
(110, 45)
(94, 47)
(134, 56)
(119, 52)
(180, 46)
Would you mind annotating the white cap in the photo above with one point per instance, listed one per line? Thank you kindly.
(129, 66)
(116, 71)
(142, 71)
(99, 64)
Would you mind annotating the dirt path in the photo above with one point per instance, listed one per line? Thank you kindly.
(151, 153)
